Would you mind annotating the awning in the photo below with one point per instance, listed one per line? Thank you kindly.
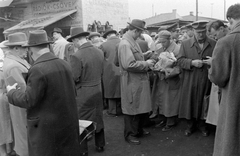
(39, 22)
(5, 3)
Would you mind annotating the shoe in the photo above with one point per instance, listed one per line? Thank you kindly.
(161, 124)
(167, 128)
(188, 132)
(152, 116)
(205, 133)
(133, 141)
(143, 133)
(100, 149)
(110, 114)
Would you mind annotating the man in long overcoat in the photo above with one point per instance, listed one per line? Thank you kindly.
(166, 91)
(111, 73)
(135, 87)
(195, 83)
(87, 68)
(52, 121)
(225, 73)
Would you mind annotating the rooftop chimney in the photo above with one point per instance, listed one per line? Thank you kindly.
(191, 13)
(174, 11)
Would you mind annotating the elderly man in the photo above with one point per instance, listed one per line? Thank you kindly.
(111, 74)
(195, 84)
(135, 87)
(166, 93)
(14, 67)
(59, 43)
(49, 98)
(225, 73)
(87, 68)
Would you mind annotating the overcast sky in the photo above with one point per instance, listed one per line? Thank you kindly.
(141, 9)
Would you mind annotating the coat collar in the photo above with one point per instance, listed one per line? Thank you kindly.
(18, 59)
(45, 57)
(133, 43)
(171, 47)
(207, 42)
(85, 45)
(236, 29)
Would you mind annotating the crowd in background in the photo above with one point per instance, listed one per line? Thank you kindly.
(187, 73)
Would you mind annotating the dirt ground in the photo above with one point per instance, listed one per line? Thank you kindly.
(171, 143)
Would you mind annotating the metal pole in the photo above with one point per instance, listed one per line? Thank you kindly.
(196, 10)
(211, 10)
(224, 10)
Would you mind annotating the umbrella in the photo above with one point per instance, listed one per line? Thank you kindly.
(5, 3)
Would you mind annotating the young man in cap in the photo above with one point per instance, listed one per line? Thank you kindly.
(49, 98)
(111, 73)
(225, 73)
(59, 43)
(87, 68)
(195, 85)
(166, 89)
(14, 66)
(94, 37)
(135, 87)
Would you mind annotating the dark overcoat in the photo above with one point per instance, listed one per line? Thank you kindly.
(225, 73)
(111, 73)
(50, 99)
(195, 82)
(135, 86)
(166, 91)
(87, 67)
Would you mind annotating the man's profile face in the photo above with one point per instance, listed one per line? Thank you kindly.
(217, 34)
(200, 35)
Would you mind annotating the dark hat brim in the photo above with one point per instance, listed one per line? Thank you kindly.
(36, 44)
(85, 33)
(137, 27)
(109, 32)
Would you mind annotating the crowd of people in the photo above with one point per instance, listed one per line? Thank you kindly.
(48, 86)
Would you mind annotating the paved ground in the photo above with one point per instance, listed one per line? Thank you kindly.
(171, 143)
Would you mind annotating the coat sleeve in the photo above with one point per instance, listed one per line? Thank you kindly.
(76, 65)
(183, 61)
(219, 73)
(34, 93)
(128, 61)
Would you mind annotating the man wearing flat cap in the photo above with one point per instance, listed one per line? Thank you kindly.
(195, 84)
(87, 69)
(135, 87)
(111, 73)
(59, 43)
(166, 88)
(52, 119)
(95, 39)
(15, 66)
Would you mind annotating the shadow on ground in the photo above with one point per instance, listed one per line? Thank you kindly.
(171, 143)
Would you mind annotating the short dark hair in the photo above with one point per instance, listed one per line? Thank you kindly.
(216, 25)
(234, 11)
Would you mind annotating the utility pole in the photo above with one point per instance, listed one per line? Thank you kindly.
(152, 10)
(211, 10)
(196, 10)
(224, 10)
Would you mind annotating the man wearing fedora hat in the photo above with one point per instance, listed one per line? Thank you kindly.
(135, 87)
(195, 85)
(49, 98)
(87, 68)
(59, 43)
(111, 74)
(13, 67)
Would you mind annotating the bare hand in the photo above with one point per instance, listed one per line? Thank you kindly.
(197, 63)
(208, 61)
(150, 62)
(12, 87)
